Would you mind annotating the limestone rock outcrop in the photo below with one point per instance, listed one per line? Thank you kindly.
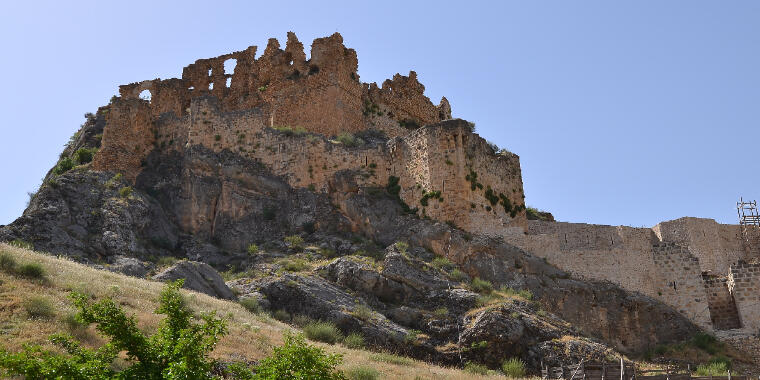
(197, 276)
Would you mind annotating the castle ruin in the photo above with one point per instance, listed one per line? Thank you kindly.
(288, 112)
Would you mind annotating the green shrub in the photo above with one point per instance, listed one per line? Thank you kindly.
(281, 315)
(441, 263)
(481, 286)
(18, 243)
(349, 140)
(441, 312)
(458, 275)
(363, 373)
(63, 166)
(72, 322)
(354, 340)
(180, 347)
(706, 342)
(31, 270)
(514, 368)
(298, 360)
(477, 369)
(166, 261)
(301, 320)
(84, 155)
(251, 304)
(253, 249)
(290, 131)
(323, 331)
(411, 336)
(125, 191)
(383, 357)
(294, 241)
(522, 293)
(7, 262)
(217, 137)
(363, 312)
(293, 265)
(402, 246)
(712, 369)
(39, 307)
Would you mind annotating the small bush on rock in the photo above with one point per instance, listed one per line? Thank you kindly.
(323, 331)
(125, 191)
(363, 312)
(477, 369)
(296, 359)
(63, 166)
(84, 155)
(253, 249)
(294, 241)
(481, 286)
(281, 315)
(251, 304)
(458, 275)
(354, 340)
(514, 368)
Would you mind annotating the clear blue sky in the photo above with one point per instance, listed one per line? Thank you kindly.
(623, 112)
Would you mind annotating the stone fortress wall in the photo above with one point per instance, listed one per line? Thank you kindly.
(443, 169)
(696, 265)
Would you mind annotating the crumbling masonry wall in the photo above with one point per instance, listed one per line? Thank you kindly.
(282, 109)
(695, 254)
(744, 283)
(323, 94)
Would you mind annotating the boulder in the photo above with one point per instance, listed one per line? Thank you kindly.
(129, 266)
(198, 276)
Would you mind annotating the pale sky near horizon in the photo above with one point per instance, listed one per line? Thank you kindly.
(623, 113)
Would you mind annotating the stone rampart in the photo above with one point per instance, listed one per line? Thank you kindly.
(691, 264)
(744, 284)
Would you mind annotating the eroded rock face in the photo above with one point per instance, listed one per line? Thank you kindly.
(199, 277)
(629, 321)
(319, 299)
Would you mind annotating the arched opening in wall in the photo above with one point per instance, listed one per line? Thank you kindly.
(209, 72)
(211, 86)
(229, 81)
(229, 66)
(146, 95)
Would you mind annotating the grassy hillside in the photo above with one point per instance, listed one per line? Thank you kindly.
(34, 305)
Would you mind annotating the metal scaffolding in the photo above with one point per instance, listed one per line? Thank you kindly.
(749, 222)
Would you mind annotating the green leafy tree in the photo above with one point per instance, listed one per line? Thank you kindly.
(178, 350)
(297, 360)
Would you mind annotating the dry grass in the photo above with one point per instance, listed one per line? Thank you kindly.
(251, 336)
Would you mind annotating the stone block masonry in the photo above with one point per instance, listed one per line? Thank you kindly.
(744, 284)
(284, 111)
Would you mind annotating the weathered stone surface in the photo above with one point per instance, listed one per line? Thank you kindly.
(316, 298)
(129, 266)
(199, 277)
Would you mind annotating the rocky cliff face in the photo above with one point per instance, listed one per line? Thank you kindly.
(349, 250)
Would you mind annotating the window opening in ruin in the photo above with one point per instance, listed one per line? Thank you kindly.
(229, 66)
(211, 86)
(191, 88)
(290, 63)
(146, 95)
(229, 81)
(209, 72)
